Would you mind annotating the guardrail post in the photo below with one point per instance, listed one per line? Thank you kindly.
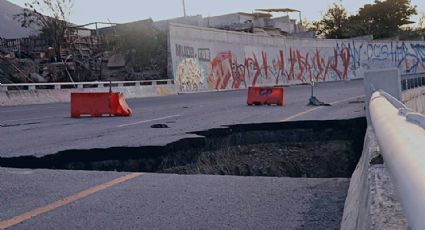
(31, 87)
(79, 86)
(411, 81)
(57, 87)
(154, 83)
(138, 83)
(3, 88)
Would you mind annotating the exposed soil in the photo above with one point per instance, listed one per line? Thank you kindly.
(318, 149)
(324, 159)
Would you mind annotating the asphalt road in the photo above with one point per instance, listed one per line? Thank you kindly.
(45, 129)
(160, 201)
(56, 199)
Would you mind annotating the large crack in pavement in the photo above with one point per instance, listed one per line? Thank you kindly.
(317, 149)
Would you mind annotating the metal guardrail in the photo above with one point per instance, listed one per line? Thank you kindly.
(81, 85)
(401, 137)
(411, 81)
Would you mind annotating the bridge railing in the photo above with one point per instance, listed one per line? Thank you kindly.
(411, 81)
(81, 85)
(401, 137)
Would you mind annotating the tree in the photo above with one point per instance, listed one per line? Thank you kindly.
(309, 25)
(382, 19)
(50, 17)
(144, 46)
(421, 22)
(333, 23)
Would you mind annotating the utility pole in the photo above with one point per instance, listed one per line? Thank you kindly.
(184, 8)
(97, 29)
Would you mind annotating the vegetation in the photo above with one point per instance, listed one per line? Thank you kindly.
(334, 22)
(145, 50)
(421, 23)
(382, 19)
(50, 17)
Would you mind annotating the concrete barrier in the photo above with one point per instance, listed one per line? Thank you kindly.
(383, 79)
(390, 170)
(401, 137)
(24, 94)
(372, 200)
(387, 80)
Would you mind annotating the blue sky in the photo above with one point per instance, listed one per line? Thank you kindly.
(86, 11)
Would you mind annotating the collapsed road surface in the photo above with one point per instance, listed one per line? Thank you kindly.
(264, 198)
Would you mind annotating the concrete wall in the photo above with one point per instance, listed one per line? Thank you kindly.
(414, 99)
(44, 96)
(372, 201)
(209, 59)
(384, 79)
(196, 20)
(286, 24)
(389, 80)
(228, 19)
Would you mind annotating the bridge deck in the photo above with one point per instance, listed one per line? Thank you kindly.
(160, 201)
(46, 129)
(149, 201)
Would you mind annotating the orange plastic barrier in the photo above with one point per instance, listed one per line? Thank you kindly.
(99, 104)
(266, 96)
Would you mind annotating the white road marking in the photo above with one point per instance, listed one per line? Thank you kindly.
(317, 108)
(146, 121)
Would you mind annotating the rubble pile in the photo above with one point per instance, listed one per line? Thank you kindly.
(85, 57)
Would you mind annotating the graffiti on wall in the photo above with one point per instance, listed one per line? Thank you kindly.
(204, 54)
(242, 66)
(409, 57)
(189, 77)
(226, 71)
(185, 51)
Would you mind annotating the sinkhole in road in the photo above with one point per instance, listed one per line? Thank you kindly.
(316, 149)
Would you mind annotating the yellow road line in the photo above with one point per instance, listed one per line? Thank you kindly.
(38, 211)
(317, 108)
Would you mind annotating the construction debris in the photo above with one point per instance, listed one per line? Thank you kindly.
(85, 55)
(316, 102)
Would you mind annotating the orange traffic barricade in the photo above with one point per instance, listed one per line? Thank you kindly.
(266, 96)
(99, 104)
